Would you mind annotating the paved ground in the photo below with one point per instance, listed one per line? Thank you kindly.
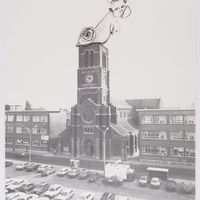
(128, 189)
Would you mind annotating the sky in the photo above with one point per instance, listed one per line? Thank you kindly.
(153, 56)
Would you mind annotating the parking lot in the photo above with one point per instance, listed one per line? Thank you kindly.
(130, 189)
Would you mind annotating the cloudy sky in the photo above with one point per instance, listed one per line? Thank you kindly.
(153, 56)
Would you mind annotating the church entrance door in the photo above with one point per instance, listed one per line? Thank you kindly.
(88, 148)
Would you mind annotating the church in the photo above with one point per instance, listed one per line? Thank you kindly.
(99, 128)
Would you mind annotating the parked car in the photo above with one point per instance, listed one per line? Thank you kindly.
(53, 191)
(108, 196)
(84, 173)
(63, 171)
(47, 172)
(171, 185)
(42, 167)
(22, 196)
(86, 196)
(41, 188)
(66, 194)
(15, 185)
(32, 196)
(8, 163)
(73, 173)
(155, 182)
(143, 180)
(187, 187)
(31, 167)
(94, 176)
(22, 166)
(12, 196)
(26, 187)
(113, 180)
(42, 198)
(8, 181)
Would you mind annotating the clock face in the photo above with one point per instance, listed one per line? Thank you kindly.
(89, 78)
(88, 115)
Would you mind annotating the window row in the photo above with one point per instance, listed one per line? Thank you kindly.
(26, 143)
(22, 130)
(88, 129)
(27, 118)
(125, 114)
(174, 151)
(161, 135)
(176, 119)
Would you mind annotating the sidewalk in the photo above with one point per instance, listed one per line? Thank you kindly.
(163, 164)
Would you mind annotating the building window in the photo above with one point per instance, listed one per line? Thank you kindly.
(160, 135)
(10, 129)
(177, 151)
(19, 129)
(176, 119)
(88, 129)
(147, 135)
(9, 141)
(190, 136)
(104, 62)
(190, 119)
(154, 135)
(6, 117)
(160, 120)
(148, 150)
(19, 142)
(121, 114)
(147, 120)
(44, 118)
(36, 118)
(27, 118)
(86, 59)
(36, 143)
(43, 131)
(189, 152)
(10, 118)
(124, 114)
(44, 143)
(35, 130)
(26, 143)
(27, 130)
(19, 118)
(91, 58)
(177, 135)
(160, 151)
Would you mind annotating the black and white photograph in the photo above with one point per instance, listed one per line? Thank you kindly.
(100, 100)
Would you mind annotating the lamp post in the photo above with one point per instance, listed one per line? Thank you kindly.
(104, 148)
(30, 139)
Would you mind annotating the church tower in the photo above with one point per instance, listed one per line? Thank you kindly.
(93, 113)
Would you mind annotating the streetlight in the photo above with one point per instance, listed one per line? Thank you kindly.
(30, 139)
(104, 152)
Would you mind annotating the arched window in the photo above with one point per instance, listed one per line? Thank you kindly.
(91, 58)
(86, 60)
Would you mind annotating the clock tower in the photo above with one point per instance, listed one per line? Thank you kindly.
(93, 113)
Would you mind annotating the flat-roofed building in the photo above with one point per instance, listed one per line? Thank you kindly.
(167, 135)
(41, 124)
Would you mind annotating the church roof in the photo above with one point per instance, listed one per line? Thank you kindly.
(144, 103)
(123, 128)
(120, 104)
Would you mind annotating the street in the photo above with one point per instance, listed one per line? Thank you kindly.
(130, 189)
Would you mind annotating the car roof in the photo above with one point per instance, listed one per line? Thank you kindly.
(155, 178)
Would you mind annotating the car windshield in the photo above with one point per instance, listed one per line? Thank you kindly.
(52, 189)
(16, 183)
(143, 178)
(65, 193)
